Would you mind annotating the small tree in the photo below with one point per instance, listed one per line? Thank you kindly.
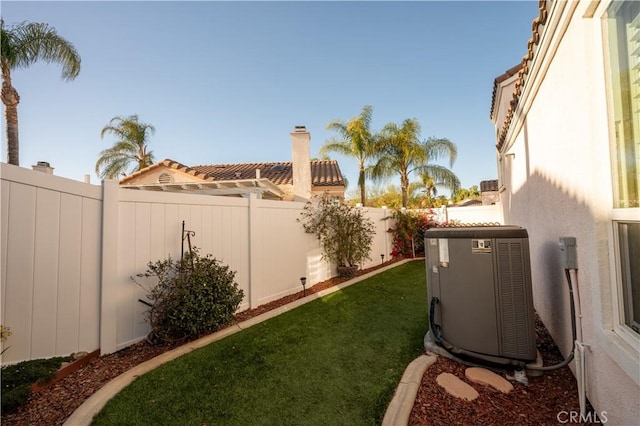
(345, 233)
(194, 295)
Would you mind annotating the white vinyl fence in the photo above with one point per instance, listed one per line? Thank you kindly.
(481, 215)
(69, 250)
(50, 253)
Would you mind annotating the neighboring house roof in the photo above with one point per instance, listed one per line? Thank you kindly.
(323, 172)
(489, 185)
(233, 179)
(467, 203)
(522, 72)
(165, 163)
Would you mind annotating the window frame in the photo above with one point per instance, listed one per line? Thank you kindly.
(620, 326)
(617, 214)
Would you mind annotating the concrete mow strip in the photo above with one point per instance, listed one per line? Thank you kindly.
(456, 387)
(84, 414)
(399, 409)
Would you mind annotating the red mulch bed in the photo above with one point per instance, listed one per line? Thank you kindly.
(547, 400)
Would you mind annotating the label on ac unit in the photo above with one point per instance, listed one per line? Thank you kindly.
(443, 252)
(481, 246)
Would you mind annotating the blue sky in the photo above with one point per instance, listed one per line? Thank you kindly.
(226, 82)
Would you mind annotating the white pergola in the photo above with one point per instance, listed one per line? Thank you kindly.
(264, 188)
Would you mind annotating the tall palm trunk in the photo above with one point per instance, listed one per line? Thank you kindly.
(404, 186)
(361, 179)
(10, 99)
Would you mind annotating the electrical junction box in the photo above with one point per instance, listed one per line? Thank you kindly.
(568, 253)
(481, 279)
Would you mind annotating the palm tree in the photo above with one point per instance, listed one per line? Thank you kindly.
(401, 151)
(444, 178)
(24, 44)
(355, 140)
(429, 184)
(131, 146)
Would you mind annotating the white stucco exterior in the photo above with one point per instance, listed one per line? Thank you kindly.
(556, 180)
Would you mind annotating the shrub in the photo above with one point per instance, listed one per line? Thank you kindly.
(344, 232)
(18, 378)
(194, 296)
(408, 232)
(5, 332)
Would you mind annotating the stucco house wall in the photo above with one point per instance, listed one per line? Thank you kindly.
(153, 176)
(556, 181)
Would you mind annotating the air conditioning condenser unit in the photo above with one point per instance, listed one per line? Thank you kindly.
(479, 289)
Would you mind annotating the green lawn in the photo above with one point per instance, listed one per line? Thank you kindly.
(334, 361)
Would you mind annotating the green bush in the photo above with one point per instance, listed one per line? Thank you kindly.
(194, 296)
(345, 233)
(18, 378)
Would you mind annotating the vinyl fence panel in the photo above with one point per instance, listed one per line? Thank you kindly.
(71, 252)
(51, 241)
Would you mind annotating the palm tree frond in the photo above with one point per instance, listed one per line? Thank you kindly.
(442, 176)
(131, 147)
(37, 42)
(335, 146)
(440, 147)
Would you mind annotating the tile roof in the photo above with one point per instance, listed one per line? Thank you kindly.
(536, 25)
(323, 172)
(167, 163)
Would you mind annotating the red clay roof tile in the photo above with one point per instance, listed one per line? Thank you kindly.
(323, 172)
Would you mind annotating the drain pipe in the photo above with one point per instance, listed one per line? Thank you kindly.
(569, 260)
(579, 346)
(569, 357)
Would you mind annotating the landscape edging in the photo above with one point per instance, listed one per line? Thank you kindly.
(83, 415)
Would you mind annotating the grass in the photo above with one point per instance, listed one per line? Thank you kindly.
(336, 360)
(18, 378)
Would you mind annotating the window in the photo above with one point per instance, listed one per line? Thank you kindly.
(622, 42)
(623, 28)
(629, 240)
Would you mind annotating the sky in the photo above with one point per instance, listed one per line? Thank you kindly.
(227, 82)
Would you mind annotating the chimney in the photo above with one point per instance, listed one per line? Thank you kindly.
(43, 167)
(301, 146)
